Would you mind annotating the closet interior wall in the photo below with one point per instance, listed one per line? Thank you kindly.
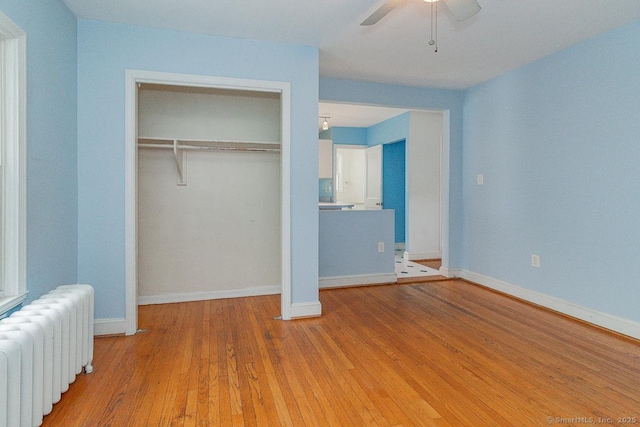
(219, 234)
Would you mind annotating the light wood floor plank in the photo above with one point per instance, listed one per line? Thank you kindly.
(441, 353)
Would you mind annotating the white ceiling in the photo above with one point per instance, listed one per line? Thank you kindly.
(504, 35)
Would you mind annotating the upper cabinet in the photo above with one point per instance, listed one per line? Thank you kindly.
(325, 158)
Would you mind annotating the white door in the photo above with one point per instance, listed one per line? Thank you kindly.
(373, 198)
(350, 180)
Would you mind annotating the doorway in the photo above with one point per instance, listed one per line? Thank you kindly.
(394, 185)
(208, 193)
(358, 172)
(427, 140)
(133, 81)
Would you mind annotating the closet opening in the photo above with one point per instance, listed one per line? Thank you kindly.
(209, 210)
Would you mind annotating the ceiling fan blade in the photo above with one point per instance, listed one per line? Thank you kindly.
(462, 9)
(381, 12)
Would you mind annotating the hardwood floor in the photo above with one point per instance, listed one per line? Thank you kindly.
(435, 354)
(433, 263)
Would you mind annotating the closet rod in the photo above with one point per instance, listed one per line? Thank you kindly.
(205, 147)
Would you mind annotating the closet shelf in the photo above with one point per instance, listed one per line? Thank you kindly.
(179, 147)
(219, 145)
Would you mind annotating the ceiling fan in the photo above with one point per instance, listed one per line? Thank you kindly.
(460, 9)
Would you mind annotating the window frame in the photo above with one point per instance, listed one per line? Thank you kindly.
(13, 138)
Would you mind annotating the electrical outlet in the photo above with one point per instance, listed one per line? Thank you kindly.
(480, 179)
(380, 246)
(535, 260)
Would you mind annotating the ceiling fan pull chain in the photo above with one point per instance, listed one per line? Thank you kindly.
(431, 22)
(437, 27)
(434, 22)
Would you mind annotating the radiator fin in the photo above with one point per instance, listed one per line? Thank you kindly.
(43, 346)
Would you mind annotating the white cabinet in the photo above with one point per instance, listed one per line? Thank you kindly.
(325, 158)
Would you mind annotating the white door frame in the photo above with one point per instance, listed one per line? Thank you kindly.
(135, 77)
(373, 173)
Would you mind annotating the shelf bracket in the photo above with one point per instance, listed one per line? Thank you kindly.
(180, 156)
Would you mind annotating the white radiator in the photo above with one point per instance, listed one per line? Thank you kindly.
(42, 349)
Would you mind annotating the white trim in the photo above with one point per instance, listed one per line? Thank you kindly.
(445, 177)
(305, 309)
(604, 320)
(131, 226)
(453, 272)
(14, 137)
(132, 78)
(109, 327)
(285, 200)
(207, 295)
(356, 280)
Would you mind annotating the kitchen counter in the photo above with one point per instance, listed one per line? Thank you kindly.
(334, 206)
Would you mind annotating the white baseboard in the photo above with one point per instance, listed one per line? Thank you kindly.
(109, 327)
(412, 256)
(604, 320)
(200, 296)
(453, 272)
(356, 280)
(306, 309)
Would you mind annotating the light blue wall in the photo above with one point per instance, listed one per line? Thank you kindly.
(391, 130)
(558, 142)
(52, 182)
(349, 135)
(393, 133)
(555, 140)
(349, 243)
(394, 185)
(338, 90)
(105, 51)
